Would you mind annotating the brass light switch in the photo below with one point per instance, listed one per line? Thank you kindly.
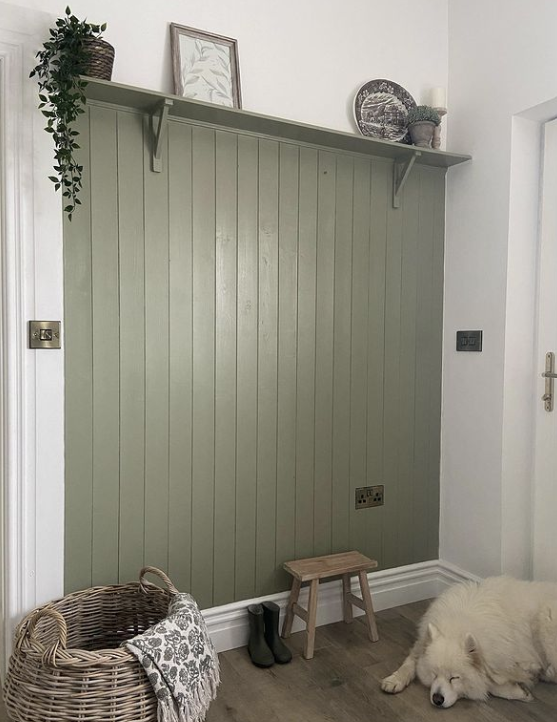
(44, 334)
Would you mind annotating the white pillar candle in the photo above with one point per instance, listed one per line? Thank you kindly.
(438, 98)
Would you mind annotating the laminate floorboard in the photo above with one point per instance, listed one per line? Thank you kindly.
(341, 682)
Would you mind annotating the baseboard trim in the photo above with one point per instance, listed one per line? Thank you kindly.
(228, 624)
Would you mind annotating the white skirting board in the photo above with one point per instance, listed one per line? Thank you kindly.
(228, 624)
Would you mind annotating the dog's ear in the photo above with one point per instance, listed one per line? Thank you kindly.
(472, 649)
(432, 632)
(470, 645)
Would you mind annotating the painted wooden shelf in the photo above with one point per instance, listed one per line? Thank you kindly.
(150, 101)
(161, 107)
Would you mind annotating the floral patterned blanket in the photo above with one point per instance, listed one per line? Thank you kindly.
(180, 662)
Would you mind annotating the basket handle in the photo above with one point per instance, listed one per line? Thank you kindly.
(26, 632)
(161, 575)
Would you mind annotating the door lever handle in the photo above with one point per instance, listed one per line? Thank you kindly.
(549, 375)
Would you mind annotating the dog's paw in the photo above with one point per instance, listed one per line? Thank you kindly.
(527, 696)
(393, 684)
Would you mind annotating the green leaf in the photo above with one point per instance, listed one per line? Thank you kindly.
(68, 11)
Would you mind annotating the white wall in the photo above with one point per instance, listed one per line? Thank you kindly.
(300, 60)
(502, 56)
(305, 61)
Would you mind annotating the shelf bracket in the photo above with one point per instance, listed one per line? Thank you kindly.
(159, 123)
(401, 171)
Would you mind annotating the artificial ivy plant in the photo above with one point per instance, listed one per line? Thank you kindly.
(61, 95)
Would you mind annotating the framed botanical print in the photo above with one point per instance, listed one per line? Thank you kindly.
(205, 66)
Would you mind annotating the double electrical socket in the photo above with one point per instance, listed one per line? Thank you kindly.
(367, 496)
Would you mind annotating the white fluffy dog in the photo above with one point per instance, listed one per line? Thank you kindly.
(497, 637)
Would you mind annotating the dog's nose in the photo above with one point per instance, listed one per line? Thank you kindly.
(438, 699)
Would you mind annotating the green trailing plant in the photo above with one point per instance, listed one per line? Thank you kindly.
(423, 113)
(61, 95)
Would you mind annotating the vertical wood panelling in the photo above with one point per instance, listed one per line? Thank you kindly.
(424, 332)
(324, 315)
(131, 234)
(246, 369)
(225, 366)
(305, 375)
(360, 519)
(156, 363)
(341, 500)
(106, 351)
(381, 179)
(409, 263)
(203, 342)
(394, 401)
(264, 336)
(437, 184)
(181, 354)
(265, 549)
(287, 338)
(78, 314)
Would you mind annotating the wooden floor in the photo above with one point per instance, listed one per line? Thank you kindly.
(341, 683)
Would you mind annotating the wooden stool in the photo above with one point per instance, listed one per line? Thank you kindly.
(333, 565)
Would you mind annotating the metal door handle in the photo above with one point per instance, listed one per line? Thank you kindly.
(549, 374)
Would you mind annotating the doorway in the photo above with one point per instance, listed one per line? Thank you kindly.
(545, 471)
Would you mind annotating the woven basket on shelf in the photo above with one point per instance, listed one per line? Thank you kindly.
(101, 58)
(68, 666)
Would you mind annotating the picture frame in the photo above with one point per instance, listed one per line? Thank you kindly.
(205, 66)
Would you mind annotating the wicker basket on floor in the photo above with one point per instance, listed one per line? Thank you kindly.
(68, 666)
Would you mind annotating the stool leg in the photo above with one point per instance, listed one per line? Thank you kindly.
(289, 617)
(370, 615)
(312, 618)
(346, 605)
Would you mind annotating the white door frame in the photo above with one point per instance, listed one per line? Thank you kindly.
(16, 392)
(545, 455)
(31, 388)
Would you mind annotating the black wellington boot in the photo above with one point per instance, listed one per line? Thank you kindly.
(258, 650)
(281, 653)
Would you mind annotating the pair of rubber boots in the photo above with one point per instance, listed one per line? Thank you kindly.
(265, 646)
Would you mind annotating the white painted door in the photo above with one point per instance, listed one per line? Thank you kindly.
(545, 463)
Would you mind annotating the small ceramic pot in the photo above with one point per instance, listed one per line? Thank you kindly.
(421, 133)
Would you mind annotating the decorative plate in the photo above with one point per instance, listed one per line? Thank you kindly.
(381, 108)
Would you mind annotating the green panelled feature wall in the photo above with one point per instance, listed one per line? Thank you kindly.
(250, 335)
